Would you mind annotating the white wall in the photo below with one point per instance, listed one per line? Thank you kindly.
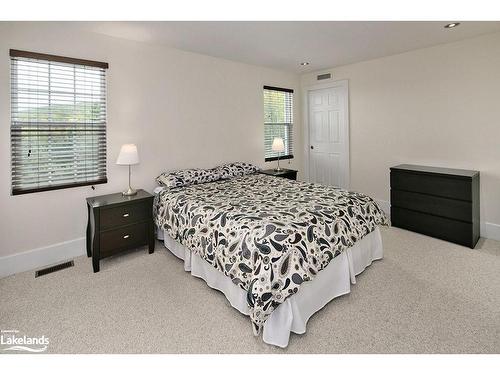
(436, 106)
(180, 108)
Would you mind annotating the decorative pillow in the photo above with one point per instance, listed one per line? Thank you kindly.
(237, 169)
(186, 177)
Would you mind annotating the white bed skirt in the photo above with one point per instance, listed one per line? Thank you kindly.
(292, 315)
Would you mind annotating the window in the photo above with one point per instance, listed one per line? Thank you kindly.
(278, 121)
(58, 122)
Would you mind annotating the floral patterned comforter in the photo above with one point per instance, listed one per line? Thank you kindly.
(268, 234)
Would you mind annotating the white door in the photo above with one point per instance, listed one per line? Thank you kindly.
(329, 135)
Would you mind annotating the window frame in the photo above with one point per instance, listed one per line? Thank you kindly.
(14, 91)
(289, 155)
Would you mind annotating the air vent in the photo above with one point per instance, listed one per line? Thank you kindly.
(55, 268)
(321, 77)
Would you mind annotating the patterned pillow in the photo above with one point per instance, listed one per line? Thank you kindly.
(237, 169)
(185, 177)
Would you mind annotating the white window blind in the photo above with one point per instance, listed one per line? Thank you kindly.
(278, 121)
(58, 122)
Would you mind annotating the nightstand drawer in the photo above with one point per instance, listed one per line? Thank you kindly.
(126, 237)
(290, 174)
(122, 215)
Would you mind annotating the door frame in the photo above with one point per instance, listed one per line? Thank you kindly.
(305, 114)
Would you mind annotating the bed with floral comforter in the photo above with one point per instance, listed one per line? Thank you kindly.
(268, 234)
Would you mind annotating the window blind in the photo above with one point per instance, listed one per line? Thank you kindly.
(278, 121)
(58, 122)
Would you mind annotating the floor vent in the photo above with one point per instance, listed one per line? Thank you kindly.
(55, 268)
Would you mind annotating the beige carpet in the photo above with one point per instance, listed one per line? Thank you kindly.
(425, 296)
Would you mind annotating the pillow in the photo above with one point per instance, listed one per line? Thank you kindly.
(237, 169)
(185, 177)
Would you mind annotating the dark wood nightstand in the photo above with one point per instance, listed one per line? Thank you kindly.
(118, 223)
(291, 174)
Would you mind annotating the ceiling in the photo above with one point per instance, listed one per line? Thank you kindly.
(284, 45)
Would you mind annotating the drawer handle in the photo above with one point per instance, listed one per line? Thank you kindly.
(126, 236)
(126, 215)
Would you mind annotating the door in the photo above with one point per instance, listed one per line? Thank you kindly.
(329, 135)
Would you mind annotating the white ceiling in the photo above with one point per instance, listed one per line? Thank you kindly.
(283, 45)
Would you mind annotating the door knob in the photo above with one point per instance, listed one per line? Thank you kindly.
(312, 147)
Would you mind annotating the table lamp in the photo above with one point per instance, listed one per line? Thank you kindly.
(128, 156)
(278, 146)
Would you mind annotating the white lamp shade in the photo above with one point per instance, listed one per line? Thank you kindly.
(128, 155)
(278, 145)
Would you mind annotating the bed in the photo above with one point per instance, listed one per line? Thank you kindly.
(278, 249)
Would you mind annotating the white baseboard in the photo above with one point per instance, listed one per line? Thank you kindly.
(385, 206)
(41, 257)
(490, 230)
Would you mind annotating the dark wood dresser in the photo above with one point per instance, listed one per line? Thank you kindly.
(438, 202)
(291, 174)
(118, 223)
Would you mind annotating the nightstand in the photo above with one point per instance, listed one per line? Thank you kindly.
(291, 174)
(117, 223)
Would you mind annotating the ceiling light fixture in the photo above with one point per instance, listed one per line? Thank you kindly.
(451, 25)
(305, 63)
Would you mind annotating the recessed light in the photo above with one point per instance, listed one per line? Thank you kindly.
(305, 63)
(451, 25)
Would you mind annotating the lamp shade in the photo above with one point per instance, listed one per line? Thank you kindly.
(128, 155)
(278, 145)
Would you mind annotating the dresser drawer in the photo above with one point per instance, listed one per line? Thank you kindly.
(449, 208)
(435, 226)
(127, 214)
(129, 236)
(438, 185)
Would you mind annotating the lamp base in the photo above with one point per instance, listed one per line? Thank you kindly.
(129, 192)
(278, 169)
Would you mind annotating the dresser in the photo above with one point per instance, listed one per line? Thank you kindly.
(291, 174)
(438, 202)
(117, 223)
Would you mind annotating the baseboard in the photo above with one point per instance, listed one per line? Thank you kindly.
(385, 206)
(41, 257)
(490, 230)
